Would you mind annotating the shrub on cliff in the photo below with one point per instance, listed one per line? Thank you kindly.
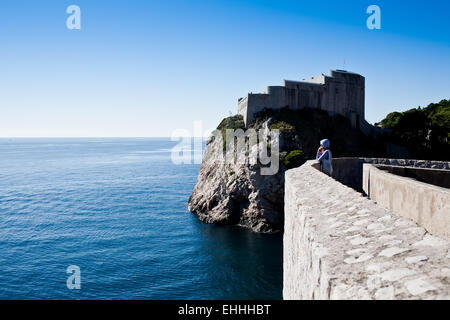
(282, 126)
(234, 122)
(294, 159)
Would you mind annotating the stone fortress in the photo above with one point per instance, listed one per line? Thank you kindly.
(341, 92)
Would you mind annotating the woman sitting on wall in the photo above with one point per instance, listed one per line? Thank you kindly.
(324, 157)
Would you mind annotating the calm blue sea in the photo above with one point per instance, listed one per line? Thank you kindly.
(117, 208)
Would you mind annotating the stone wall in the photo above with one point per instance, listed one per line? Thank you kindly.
(338, 244)
(349, 171)
(437, 177)
(427, 204)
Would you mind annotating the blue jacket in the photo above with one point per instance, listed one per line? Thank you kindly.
(325, 161)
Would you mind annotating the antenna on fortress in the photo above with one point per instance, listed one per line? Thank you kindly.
(343, 67)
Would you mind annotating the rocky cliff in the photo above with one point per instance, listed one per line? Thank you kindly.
(237, 193)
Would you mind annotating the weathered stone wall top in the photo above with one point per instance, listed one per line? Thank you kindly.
(338, 244)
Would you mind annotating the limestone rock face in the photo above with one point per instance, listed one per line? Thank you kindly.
(233, 193)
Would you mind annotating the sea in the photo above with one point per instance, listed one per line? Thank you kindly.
(116, 211)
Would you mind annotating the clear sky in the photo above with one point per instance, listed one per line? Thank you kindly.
(146, 68)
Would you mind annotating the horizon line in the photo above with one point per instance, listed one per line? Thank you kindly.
(102, 137)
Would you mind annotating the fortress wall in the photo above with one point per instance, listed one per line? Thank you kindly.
(349, 171)
(437, 177)
(256, 102)
(330, 98)
(243, 108)
(427, 204)
(277, 97)
(338, 244)
(346, 92)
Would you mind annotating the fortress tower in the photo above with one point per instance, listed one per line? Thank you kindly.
(341, 92)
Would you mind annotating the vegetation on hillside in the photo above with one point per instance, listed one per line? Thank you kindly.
(425, 131)
(282, 126)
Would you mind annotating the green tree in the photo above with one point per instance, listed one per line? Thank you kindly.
(426, 131)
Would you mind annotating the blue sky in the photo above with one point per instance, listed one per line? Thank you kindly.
(146, 68)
